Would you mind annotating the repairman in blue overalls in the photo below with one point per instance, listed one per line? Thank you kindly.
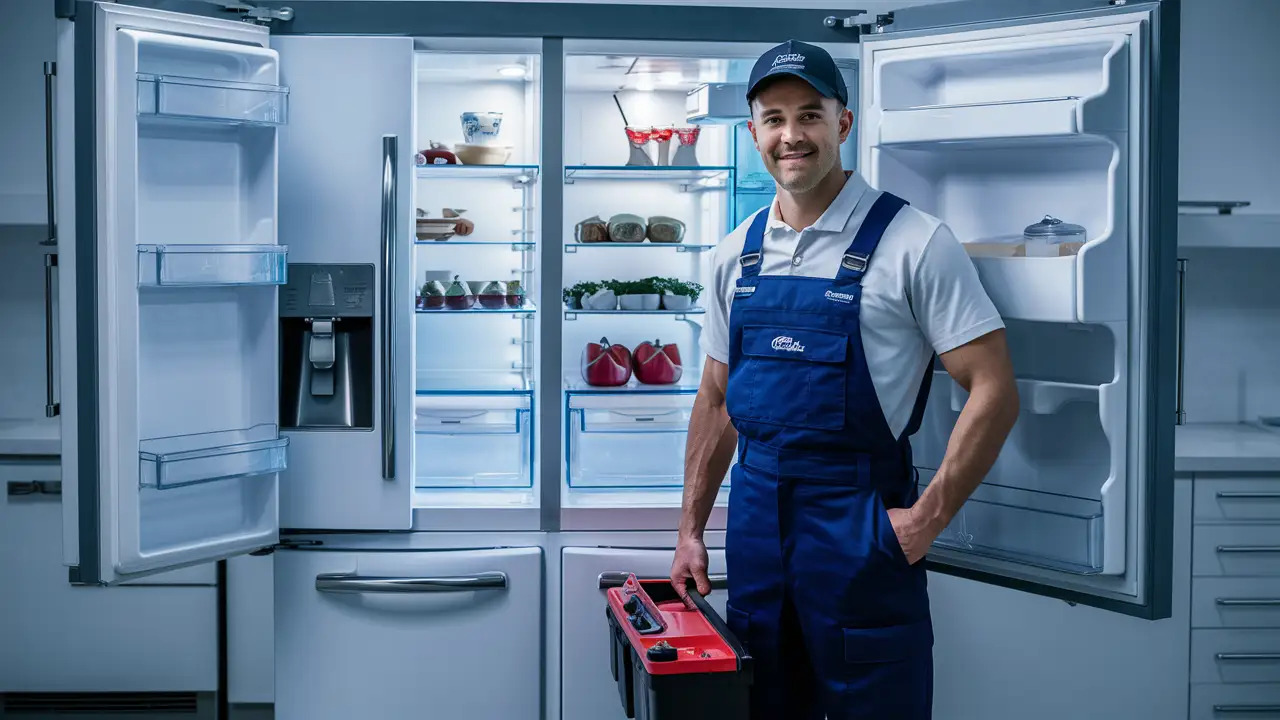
(826, 311)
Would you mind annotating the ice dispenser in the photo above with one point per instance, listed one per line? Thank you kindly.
(326, 333)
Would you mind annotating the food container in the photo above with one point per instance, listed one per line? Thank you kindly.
(638, 142)
(657, 364)
(1052, 237)
(591, 230)
(481, 127)
(492, 295)
(662, 136)
(458, 296)
(604, 364)
(482, 154)
(432, 297)
(515, 294)
(435, 229)
(437, 154)
(674, 659)
(663, 229)
(686, 154)
(627, 228)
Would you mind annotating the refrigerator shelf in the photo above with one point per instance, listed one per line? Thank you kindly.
(1039, 397)
(525, 311)
(212, 265)
(524, 173)
(473, 382)
(204, 99)
(688, 385)
(689, 179)
(1047, 530)
(477, 243)
(678, 314)
(1013, 122)
(475, 441)
(572, 247)
(183, 460)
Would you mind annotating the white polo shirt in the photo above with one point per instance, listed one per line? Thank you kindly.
(920, 295)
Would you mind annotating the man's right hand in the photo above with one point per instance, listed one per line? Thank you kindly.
(690, 562)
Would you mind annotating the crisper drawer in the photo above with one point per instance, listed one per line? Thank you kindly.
(1229, 702)
(627, 441)
(473, 441)
(1235, 602)
(1236, 550)
(1235, 656)
(1237, 499)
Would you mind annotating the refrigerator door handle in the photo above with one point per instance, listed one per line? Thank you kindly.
(1225, 549)
(1247, 657)
(358, 584)
(1182, 337)
(616, 578)
(390, 145)
(50, 71)
(1235, 495)
(51, 408)
(1248, 602)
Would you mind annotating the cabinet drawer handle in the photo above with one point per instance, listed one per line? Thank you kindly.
(1246, 495)
(1249, 602)
(1245, 709)
(1246, 657)
(351, 583)
(1249, 548)
(617, 578)
(34, 487)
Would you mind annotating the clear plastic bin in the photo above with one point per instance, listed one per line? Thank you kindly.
(224, 101)
(212, 265)
(182, 460)
(631, 441)
(473, 441)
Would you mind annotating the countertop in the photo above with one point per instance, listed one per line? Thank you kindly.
(1227, 447)
(30, 436)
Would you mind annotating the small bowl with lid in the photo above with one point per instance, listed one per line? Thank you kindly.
(1052, 237)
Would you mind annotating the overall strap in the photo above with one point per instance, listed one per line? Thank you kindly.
(858, 256)
(753, 248)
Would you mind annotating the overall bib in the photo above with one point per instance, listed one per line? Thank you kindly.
(820, 590)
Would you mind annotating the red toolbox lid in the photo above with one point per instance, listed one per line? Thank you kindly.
(688, 637)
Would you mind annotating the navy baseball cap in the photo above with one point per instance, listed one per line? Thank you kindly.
(807, 62)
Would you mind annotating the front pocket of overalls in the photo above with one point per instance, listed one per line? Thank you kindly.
(794, 376)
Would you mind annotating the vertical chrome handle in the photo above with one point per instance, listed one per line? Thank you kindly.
(51, 408)
(50, 70)
(1182, 336)
(390, 144)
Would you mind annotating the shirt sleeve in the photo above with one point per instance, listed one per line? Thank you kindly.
(715, 330)
(947, 297)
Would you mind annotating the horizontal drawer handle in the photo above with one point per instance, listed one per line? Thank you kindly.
(1246, 495)
(1249, 602)
(1245, 709)
(350, 583)
(617, 578)
(1249, 548)
(1246, 657)
(34, 487)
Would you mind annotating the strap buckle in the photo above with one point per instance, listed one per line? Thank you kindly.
(749, 259)
(856, 262)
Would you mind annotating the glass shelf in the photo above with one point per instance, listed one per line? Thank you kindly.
(646, 172)
(514, 245)
(212, 265)
(688, 385)
(473, 382)
(183, 460)
(221, 101)
(572, 247)
(679, 314)
(430, 172)
(526, 310)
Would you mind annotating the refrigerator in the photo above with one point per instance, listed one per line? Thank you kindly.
(285, 343)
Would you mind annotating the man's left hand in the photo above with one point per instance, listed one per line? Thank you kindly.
(914, 536)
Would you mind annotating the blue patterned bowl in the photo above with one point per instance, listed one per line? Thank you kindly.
(481, 127)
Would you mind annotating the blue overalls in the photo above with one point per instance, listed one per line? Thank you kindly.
(820, 590)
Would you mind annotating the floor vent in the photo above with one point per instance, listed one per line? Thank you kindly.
(18, 705)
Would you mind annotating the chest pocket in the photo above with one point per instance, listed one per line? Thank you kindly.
(790, 376)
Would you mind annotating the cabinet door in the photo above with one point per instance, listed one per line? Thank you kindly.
(587, 689)
(392, 634)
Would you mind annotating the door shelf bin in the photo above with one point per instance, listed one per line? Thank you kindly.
(1047, 530)
(212, 265)
(474, 441)
(183, 460)
(222, 101)
(626, 441)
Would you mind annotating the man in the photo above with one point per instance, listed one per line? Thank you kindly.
(825, 313)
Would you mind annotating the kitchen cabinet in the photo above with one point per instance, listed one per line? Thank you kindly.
(60, 638)
(251, 630)
(26, 44)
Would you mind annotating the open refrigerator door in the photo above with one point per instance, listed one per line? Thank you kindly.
(1038, 142)
(176, 261)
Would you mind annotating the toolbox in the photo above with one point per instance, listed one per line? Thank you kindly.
(674, 659)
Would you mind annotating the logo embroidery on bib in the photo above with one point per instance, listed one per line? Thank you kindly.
(743, 290)
(787, 344)
(839, 297)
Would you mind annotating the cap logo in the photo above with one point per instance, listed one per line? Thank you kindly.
(796, 58)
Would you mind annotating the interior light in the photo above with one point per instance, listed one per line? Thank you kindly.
(672, 77)
(513, 71)
(644, 84)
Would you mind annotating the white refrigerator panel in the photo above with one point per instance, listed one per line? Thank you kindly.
(181, 267)
(346, 95)
(587, 689)
(440, 634)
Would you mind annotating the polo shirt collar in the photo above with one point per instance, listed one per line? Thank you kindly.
(836, 217)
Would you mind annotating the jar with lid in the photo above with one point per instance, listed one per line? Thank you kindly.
(1052, 237)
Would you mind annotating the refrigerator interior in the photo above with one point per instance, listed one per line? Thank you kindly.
(192, 355)
(991, 134)
(475, 348)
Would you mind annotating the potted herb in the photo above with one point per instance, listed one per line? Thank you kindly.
(640, 294)
(598, 296)
(678, 295)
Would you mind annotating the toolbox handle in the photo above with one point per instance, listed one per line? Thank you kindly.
(618, 578)
(717, 622)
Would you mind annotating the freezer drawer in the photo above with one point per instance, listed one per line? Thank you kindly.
(1223, 702)
(1237, 499)
(627, 441)
(475, 441)
(1236, 550)
(396, 634)
(587, 688)
(1235, 602)
(1235, 656)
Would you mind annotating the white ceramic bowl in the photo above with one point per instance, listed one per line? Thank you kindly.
(482, 154)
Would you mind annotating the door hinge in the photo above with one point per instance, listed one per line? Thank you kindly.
(252, 13)
(850, 22)
(284, 544)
